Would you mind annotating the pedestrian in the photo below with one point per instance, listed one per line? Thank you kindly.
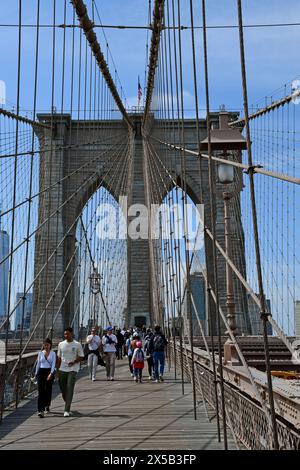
(138, 360)
(69, 355)
(44, 372)
(126, 337)
(148, 352)
(157, 349)
(135, 338)
(129, 353)
(123, 332)
(119, 346)
(94, 342)
(109, 341)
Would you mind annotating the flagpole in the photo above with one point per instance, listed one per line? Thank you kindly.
(139, 93)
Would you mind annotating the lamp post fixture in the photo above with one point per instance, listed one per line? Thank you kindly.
(226, 176)
(227, 139)
(95, 278)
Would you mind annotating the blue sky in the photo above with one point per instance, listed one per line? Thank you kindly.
(272, 53)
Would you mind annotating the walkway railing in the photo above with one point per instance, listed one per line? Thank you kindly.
(14, 387)
(244, 414)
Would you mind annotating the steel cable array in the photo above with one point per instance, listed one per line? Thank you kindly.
(58, 168)
(35, 206)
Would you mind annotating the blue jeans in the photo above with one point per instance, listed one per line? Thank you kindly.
(158, 357)
(138, 373)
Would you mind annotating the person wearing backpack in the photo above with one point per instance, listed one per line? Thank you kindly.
(157, 348)
(148, 353)
(132, 345)
(138, 360)
(129, 353)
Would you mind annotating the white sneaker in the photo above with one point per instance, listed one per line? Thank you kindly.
(112, 378)
(157, 381)
(150, 378)
(66, 414)
(93, 379)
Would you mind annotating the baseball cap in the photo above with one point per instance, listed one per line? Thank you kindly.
(108, 328)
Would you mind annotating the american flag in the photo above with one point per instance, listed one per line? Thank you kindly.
(139, 89)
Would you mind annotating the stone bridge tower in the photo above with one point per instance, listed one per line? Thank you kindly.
(73, 145)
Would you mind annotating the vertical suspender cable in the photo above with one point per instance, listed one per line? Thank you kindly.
(200, 161)
(184, 207)
(176, 192)
(50, 169)
(59, 189)
(264, 313)
(213, 224)
(14, 204)
(30, 192)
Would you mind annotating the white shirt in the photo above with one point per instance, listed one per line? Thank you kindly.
(93, 341)
(43, 363)
(107, 347)
(68, 352)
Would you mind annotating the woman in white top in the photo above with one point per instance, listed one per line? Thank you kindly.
(109, 342)
(45, 369)
(93, 341)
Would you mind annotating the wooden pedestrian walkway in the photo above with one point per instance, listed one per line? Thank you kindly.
(114, 415)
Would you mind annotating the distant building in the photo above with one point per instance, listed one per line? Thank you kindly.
(255, 319)
(27, 311)
(198, 304)
(297, 317)
(82, 334)
(198, 292)
(4, 268)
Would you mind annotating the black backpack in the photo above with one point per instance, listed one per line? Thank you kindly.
(158, 343)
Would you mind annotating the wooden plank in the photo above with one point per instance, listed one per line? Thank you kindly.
(115, 415)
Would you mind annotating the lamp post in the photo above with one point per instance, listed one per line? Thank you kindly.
(227, 139)
(226, 176)
(95, 278)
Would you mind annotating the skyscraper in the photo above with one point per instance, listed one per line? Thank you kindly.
(198, 303)
(297, 317)
(27, 311)
(4, 267)
(254, 315)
